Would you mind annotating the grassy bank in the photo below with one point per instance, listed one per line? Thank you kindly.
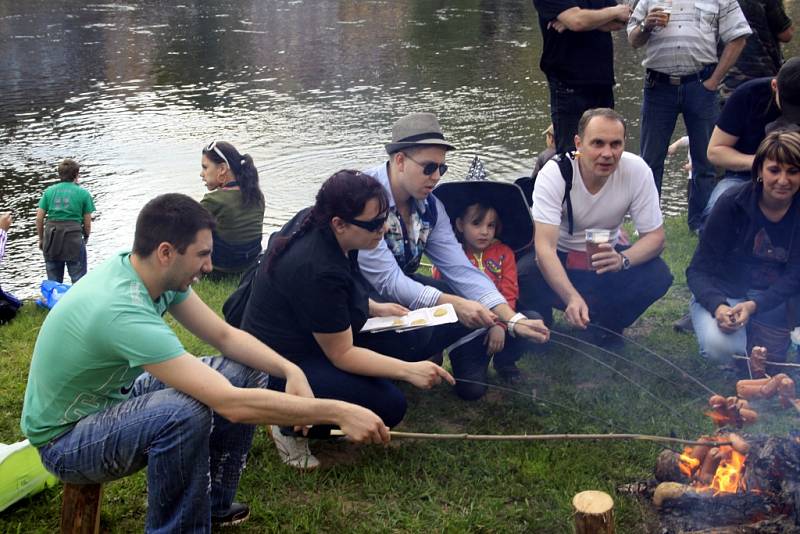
(414, 486)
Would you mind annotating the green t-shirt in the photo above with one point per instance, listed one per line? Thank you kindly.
(235, 224)
(92, 346)
(66, 201)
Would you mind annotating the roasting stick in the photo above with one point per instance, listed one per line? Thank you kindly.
(777, 364)
(543, 437)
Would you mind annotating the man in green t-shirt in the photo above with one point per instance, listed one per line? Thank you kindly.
(62, 239)
(112, 389)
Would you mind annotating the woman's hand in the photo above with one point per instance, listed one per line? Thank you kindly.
(743, 311)
(726, 319)
(386, 309)
(495, 340)
(425, 375)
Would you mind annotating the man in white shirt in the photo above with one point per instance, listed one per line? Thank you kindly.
(614, 286)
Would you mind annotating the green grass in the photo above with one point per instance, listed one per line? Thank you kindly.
(413, 486)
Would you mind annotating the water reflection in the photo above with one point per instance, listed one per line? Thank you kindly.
(134, 89)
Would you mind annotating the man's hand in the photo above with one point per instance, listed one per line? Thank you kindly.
(656, 18)
(362, 425)
(726, 319)
(557, 26)
(297, 384)
(624, 12)
(607, 260)
(473, 314)
(425, 375)
(386, 309)
(711, 84)
(495, 340)
(5, 221)
(577, 312)
(533, 329)
(743, 311)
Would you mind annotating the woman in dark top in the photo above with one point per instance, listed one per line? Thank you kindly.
(309, 301)
(236, 202)
(747, 264)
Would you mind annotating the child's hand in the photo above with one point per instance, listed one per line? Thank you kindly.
(5, 221)
(495, 340)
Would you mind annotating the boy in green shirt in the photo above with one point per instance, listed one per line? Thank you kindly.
(62, 239)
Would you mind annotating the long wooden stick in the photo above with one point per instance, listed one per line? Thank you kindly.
(544, 437)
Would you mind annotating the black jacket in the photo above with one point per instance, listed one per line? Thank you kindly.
(724, 266)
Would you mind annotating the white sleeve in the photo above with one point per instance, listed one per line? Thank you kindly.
(548, 195)
(3, 237)
(645, 209)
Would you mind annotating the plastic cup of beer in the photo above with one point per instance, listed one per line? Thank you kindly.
(665, 8)
(594, 238)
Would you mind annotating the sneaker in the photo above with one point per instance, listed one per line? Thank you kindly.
(684, 324)
(237, 514)
(293, 450)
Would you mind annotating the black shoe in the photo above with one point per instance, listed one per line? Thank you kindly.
(237, 514)
(509, 373)
(684, 324)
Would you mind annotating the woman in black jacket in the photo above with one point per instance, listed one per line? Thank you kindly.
(747, 264)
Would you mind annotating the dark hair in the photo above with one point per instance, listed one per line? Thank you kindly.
(780, 146)
(344, 195)
(481, 209)
(243, 169)
(174, 218)
(68, 170)
(607, 113)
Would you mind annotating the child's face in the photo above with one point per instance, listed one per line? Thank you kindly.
(478, 233)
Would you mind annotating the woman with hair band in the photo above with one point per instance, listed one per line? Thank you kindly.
(236, 201)
(747, 265)
(309, 301)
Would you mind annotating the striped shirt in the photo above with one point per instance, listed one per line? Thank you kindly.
(689, 41)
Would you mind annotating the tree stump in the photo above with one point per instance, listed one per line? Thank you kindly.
(80, 508)
(594, 513)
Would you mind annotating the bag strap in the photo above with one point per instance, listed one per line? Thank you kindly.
(565, 166)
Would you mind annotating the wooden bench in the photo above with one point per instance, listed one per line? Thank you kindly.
(80, 508)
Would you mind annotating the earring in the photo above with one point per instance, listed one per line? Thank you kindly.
(759, 179)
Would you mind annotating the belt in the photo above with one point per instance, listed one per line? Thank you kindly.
(699, 76)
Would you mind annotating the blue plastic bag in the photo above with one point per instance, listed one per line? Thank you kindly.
(52, 292)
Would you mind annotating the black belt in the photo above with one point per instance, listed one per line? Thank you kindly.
(699, 76)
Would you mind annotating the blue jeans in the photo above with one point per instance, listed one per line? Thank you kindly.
(700, 108)
(194, 457)
(567, 104)
(719, 346)
(77, 268)
(726, 184)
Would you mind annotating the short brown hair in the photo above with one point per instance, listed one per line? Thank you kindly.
(608, 113)
(68, 170)
(779, 146)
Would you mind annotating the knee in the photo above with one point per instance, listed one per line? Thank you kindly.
(719, 347)
(187, 415)
(393, 407)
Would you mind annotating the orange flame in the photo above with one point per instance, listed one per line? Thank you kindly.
(729, 475)
(687, 464)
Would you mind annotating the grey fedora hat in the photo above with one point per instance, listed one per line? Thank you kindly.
(417, 129)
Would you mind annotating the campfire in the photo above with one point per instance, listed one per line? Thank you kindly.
(732, 482)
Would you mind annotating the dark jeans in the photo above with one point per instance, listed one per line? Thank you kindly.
(567, 104)
(615, 300)
(661, 106)
(76, 269)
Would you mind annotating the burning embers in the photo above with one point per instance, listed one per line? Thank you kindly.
(716, 468)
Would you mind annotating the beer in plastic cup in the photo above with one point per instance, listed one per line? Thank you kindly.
(594, 238)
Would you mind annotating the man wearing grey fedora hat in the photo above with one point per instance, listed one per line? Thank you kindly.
(418, 224)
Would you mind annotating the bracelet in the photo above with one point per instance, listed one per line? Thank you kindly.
(513, 322)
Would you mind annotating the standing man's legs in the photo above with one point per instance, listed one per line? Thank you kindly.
(78, 267)
(55, 270)
(567, 104)
(700, 113)
(660, 108)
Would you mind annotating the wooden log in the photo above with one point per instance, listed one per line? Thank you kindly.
(594, 512)
(80, 508)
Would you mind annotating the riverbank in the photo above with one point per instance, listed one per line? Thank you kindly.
(414, 486)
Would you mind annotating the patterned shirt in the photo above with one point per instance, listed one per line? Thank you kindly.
(689, 41)
(3, 237)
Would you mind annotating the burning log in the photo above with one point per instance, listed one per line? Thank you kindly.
(594, 513)
(731, 411)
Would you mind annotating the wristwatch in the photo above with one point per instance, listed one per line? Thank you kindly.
(626, 263)
(643, 28)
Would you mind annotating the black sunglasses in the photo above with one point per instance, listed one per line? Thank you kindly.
(370, 226)
(430, 167)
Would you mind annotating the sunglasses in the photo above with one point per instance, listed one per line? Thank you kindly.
(370, 226)
(430, 167)
(214, 148)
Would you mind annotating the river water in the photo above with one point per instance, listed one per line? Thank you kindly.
(134, 89)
